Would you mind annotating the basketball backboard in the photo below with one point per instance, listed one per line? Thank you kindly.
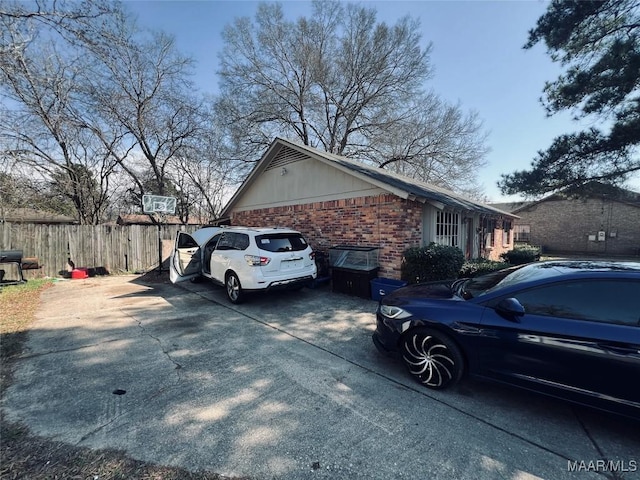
(158, 204)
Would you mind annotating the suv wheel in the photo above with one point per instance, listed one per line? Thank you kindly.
(233, 288)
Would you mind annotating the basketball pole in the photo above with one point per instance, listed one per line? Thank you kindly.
(160, 245)
(159, 206)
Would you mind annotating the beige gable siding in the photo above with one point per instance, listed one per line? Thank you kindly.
(302, 182)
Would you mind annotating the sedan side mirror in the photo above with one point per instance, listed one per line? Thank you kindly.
(510, 308)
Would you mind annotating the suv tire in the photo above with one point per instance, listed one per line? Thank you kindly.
(233, 288)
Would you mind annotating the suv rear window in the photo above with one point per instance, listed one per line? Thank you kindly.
(281, 242)
(233, 241)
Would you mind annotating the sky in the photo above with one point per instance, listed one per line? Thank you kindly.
(477, 57)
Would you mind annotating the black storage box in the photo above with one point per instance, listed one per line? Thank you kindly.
(352, 269)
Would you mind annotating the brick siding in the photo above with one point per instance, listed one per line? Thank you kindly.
(498, 246)
(564, 226)
(385, 221)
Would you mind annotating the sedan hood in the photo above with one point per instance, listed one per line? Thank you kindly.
(440, 290)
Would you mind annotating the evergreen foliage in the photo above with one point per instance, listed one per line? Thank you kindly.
(521, 255)
(430, 263)
(481, 266)
(598, 43)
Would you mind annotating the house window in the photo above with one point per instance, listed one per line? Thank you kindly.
(506, 237)
(507, 226)
(521, 233)
(447, 228)
(489, 226)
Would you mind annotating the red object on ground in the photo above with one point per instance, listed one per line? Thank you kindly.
(79, 273)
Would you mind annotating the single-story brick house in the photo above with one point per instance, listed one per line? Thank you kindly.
(598, 219)
(334, 201)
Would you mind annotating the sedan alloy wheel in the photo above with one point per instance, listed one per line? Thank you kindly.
(432, 358)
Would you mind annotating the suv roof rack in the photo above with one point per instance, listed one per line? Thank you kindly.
(255, 229)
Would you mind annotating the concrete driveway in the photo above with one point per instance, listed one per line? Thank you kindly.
(286, 386)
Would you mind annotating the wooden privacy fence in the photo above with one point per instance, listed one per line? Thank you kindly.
(115, 248)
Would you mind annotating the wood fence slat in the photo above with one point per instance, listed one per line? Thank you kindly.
(116, 248)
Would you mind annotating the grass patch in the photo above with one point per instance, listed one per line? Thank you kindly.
(18, 304)
(23, 455)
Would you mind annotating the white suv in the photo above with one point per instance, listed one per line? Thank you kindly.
(244, 259)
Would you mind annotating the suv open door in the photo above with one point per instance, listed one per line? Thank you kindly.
(186, 257)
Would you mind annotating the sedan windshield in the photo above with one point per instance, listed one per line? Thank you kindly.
(475, 287)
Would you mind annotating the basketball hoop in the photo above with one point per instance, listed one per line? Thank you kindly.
(162, 206)
(158, 204)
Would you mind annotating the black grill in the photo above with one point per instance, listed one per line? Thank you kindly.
(12, 258)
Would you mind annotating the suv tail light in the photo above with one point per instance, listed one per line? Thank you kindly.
(256, 261)
(312, 255)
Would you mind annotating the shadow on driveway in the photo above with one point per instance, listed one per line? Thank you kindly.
(285, 386)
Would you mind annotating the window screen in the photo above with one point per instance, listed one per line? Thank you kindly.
(447, 228)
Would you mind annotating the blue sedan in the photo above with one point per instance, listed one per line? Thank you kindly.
(570, 329)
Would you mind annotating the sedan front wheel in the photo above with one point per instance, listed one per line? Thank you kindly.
(432, 358)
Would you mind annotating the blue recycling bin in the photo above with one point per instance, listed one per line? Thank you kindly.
(384, 286)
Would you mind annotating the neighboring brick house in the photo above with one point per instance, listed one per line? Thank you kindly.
(334, 201)
(598, 219)
(34, 216)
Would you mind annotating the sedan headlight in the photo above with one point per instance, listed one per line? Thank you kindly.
(396, 313)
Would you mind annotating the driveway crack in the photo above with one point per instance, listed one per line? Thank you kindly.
(613, 474)
(99, 427)
(165, 351)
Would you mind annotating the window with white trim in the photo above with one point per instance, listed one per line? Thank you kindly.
(447, 228)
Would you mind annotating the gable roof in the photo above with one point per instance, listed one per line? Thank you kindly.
(32, 215)
(282, 152)
(145, 219)
(589, 190)
(511, 206)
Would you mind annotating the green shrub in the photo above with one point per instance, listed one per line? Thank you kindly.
(432, 262)
(480, 266)
(522, 254)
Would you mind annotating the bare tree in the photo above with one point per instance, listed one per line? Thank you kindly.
(207, 175)
(88, 94)
(146, 88)
(345, 83)
(437, 143)
(74, 21)
(46, 130)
